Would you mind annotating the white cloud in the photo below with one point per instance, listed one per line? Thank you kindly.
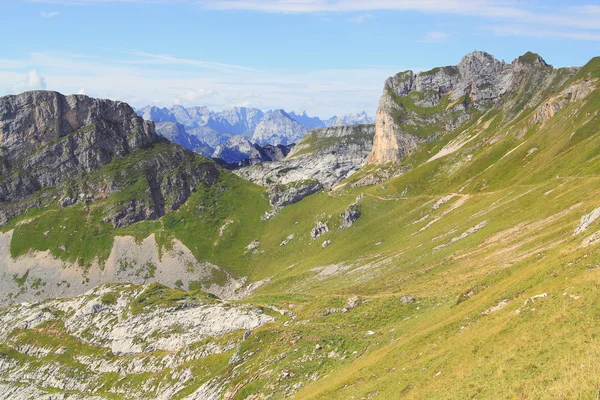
(508, 10)
(582, 16)
(322, 93)
(361, 18)
(33, 81)
(50, 14)
(520, 30)
(435, 37)
(81, 91)
(530, 12)
(195, 96)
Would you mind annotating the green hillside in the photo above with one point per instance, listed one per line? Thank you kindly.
(462, 277)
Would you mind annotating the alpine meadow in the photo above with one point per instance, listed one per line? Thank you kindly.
(443, 244)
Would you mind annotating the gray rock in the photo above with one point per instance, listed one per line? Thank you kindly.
(286, 194)
(287, 239)
(407, 299)
(240, 152)
(349, 216)
(478, 82)
(67, 201)
(51, 140)
(326, 243)
(319, 230)
(327, 155)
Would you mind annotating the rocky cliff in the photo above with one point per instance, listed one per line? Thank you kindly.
(420, 107)
(240, 152)
(59, 149)
(326, 155)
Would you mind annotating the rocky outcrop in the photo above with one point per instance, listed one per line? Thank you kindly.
(77, 132)
(327, 155)
(320, 229)
(61, 147)
(42, 275)
(571, 94)
(350, 216)
(418, 107)
(240, 152)
(285, 194)
(586, 221)
(125, 325)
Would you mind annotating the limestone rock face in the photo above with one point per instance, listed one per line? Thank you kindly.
(115, 320)
(327, 155)
(52, 141)
(76, 132)
(418, 107)
(284, 195)
(240, 152)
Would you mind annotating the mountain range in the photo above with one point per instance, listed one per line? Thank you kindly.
(202, 130)
(450, 250)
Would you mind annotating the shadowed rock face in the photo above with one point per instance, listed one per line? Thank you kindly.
(46, 136)
(48, 139)
(418, 107)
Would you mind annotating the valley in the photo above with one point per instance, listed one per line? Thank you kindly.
(450, 250)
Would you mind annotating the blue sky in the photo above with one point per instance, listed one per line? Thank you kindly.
(323, 56)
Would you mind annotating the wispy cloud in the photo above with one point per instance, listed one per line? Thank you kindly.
(359, 19)
(435, 37)
(582, 16)
(165, 59)
(522, 30)
(509, 10)
(50, 14)
(166, 80)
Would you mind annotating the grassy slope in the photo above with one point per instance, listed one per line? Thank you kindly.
(442, 346)
(196, 223)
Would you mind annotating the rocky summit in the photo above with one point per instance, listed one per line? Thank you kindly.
(451, 249)
(420, 107)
